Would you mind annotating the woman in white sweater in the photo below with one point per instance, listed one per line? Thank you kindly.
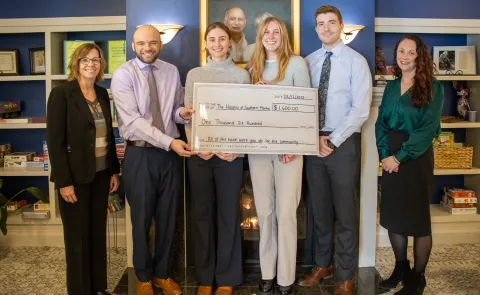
(216, 180)
(277, 179)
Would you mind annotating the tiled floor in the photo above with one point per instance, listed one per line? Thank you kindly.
(453, 269)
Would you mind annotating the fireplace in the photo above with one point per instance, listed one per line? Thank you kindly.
(250, 229)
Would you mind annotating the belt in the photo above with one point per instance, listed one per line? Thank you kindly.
(324, 133)
(139, 143)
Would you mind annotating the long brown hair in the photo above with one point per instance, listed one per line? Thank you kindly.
(257, 63)
(81, 52)
(423, 80)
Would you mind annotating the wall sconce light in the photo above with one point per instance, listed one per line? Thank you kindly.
(167, 31)
(350, 32)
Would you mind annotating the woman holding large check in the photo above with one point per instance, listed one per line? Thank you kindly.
(216, 180)
(277, 179)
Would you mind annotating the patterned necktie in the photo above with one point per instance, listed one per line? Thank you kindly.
(157, 120)
(323, 90)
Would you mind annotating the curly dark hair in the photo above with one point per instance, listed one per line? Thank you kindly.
(423, 80)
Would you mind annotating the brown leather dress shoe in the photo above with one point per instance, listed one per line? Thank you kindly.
(317, 274)
(144, 288)
(344, 288)
(204, 290)
(168, 286)
(224, 290)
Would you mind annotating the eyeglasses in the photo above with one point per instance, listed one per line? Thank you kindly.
(86, 60)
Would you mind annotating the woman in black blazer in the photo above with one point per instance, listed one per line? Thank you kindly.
(84, 167)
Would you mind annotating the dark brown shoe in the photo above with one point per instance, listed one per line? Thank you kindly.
(168, 286)
(144, 288)
(225, 290)
(204, 290)
(344, 288)
(315, 275)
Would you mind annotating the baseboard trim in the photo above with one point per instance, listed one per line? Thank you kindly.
(48, 235)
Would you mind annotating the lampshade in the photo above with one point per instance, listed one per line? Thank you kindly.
(168, 31)
(350, 32)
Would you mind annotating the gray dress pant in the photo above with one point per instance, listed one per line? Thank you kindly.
(277, 190)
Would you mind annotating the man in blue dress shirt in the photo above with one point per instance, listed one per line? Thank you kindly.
(344, 82)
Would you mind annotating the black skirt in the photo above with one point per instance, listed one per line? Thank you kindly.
(405, 195)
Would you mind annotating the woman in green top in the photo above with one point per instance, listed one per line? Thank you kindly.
(408, 120)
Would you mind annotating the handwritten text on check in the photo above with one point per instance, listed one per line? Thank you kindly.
(255, 119)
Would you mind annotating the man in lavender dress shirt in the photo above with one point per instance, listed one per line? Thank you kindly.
(149, 99)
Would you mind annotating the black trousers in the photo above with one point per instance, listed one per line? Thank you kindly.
(84, 230)
(152, 190)
(334, 190)
(215, 186)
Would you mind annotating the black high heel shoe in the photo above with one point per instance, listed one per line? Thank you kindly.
(267, 287)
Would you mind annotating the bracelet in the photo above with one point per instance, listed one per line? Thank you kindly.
(395, 159)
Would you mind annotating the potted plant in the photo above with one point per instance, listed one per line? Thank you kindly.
(36, 192)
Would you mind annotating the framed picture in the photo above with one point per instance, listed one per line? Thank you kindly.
(9, 62)
(37, 61)
(240, 16)
(455, 60)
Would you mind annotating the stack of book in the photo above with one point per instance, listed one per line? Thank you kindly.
(10, 113)
(23, 160)
(459, 201)
(5, 149)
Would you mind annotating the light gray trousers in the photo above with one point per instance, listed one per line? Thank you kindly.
(277, 191)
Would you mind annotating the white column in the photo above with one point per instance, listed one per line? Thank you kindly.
(368, 186)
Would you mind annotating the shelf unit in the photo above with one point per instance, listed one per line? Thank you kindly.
(438, 77)
(472, 171)
(55, 31)
(23, 126)
(21, 171)
(446, 228)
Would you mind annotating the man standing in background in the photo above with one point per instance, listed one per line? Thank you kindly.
(235, 19)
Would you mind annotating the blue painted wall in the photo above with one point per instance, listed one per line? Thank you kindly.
(61, 8)
(359, 12)
(469, 9)
(183, 50)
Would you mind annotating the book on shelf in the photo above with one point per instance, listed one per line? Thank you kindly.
(9, 106)
(15, 205)
(24, 120)
(10, 115)
(30, 213)
(41, 206)
(452, 210)
(117, 54)
(20, 157)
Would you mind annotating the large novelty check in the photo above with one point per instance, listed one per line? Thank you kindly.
(255, 119)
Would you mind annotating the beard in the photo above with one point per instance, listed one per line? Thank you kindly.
(150, 61)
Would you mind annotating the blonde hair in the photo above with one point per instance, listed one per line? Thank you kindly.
(81, 52)
(257, 63)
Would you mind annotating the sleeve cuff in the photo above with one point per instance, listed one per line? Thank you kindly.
(178, 118)
(384, 154)
(402, 156)
(336, 140)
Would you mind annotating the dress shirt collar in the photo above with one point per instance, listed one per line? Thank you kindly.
(143, 65)
(336, 50)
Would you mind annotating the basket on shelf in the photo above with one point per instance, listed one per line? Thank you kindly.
(453, 157)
